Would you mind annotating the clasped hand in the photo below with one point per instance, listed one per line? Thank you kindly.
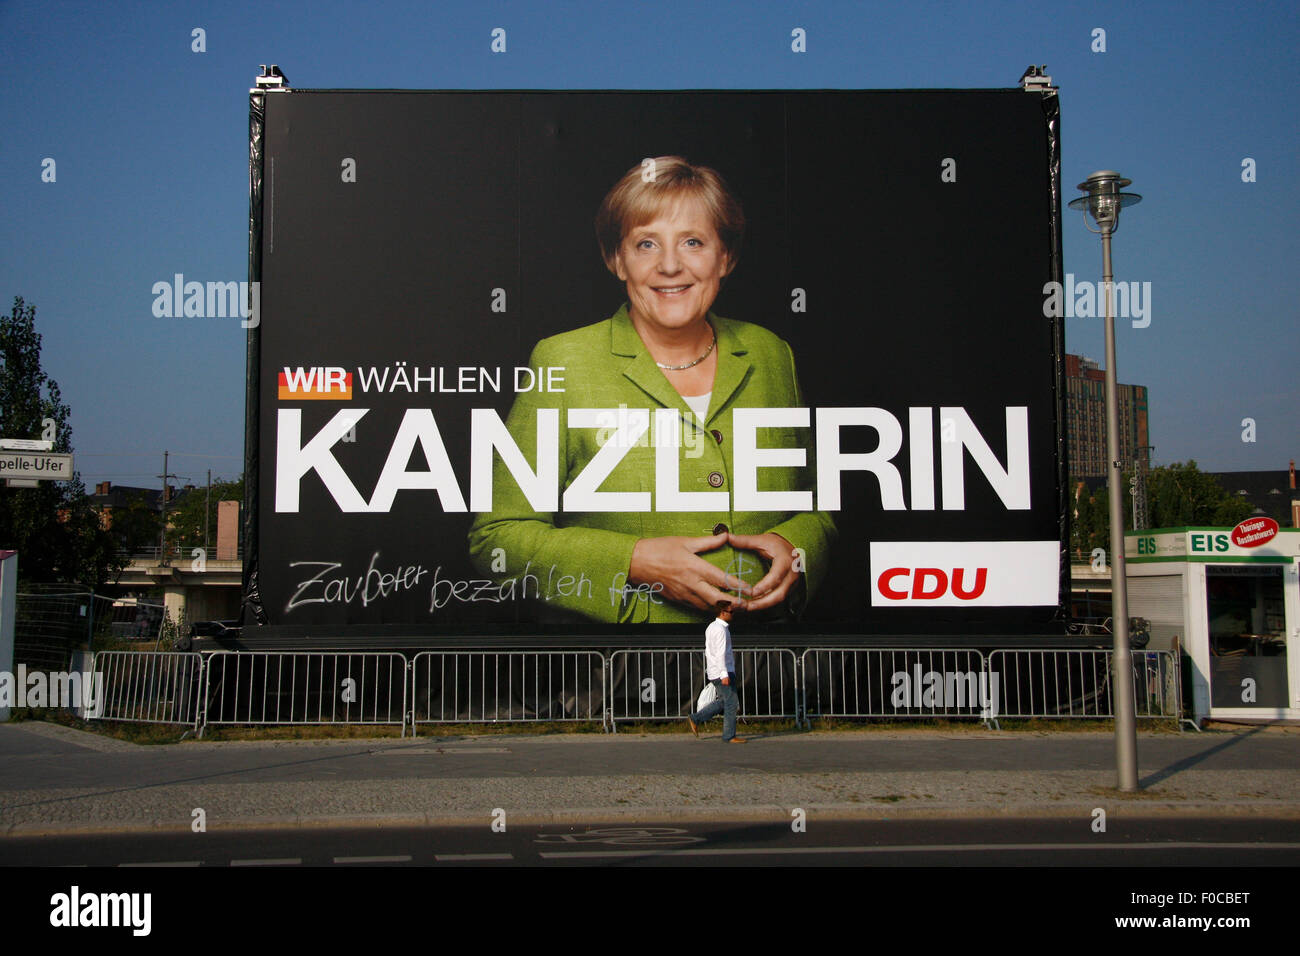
(674, 562)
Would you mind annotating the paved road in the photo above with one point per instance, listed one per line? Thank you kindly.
(958, 820)
(999, 841)
(54, 779)
(32, 761)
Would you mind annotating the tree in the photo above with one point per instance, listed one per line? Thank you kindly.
(1083, 526)
(185, 516)
(135, 526)
(56, 533)
(1178, 495)
(1181, 494)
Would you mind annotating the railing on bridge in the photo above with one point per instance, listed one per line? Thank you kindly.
(175, 555)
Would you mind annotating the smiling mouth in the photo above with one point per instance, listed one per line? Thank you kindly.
(670, 289)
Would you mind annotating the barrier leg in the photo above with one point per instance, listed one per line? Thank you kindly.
(798, 696)
(613, 724)
(986, 665)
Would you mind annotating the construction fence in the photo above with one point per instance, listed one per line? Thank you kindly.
(52, 622)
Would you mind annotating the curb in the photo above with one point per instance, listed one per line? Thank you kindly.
(1275, 810)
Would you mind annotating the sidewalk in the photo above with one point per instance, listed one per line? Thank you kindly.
(54, 779)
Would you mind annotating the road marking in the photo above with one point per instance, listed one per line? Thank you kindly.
(627, 836)
(167, 863)
(294, 861)
(407, 751)
(372, 859)
(474, 856)
(936, 848)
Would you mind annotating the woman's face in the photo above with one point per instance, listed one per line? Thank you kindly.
(673, 266)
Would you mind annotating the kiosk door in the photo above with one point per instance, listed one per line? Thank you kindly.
(1247, 628)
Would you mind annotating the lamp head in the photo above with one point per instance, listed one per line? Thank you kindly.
(1105, 197)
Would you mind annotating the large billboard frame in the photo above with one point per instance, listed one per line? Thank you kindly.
(263, 632)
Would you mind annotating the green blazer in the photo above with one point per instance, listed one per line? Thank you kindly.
(578, 561)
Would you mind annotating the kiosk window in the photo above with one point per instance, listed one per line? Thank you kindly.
(1247, 629)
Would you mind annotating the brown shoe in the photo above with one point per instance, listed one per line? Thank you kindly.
(695, 730)
(738, 740)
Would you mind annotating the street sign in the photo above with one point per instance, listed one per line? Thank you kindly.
(35, 464)
(26, 444)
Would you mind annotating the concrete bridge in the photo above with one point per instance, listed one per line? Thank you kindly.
(201, 586)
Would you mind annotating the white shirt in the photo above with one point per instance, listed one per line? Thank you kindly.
(718, 660)
(699, 404)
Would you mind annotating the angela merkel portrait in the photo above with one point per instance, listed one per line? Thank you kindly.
(664, 375)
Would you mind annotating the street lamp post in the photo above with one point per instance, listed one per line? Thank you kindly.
(1103, 202)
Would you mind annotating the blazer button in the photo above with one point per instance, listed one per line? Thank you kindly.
(717, 436)
(719, 528)
(715, 479)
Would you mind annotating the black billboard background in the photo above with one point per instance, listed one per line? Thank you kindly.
(919, 292)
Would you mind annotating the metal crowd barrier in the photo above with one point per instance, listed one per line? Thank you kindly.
(464, 686)
(151, 687)
(305, 687)
(459, 686)
(1158, 679)
(1077, 683)
(665, 684)
(896, 682)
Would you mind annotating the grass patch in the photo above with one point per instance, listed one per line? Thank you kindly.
(303, 732)
(505, 727)
(130, 732)
(973, 726)
(678, 725)
(1086, 725)
(172, 733)
(110, 642)
(879, 724)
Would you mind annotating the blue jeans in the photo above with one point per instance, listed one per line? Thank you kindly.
(725, 703)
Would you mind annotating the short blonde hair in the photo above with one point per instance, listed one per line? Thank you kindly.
(634, 202)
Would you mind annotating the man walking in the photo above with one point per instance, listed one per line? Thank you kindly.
(720, 668)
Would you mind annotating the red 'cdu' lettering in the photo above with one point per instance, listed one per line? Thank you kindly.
(919, 592)
(929, 584)
(886, 578)
(981, 579)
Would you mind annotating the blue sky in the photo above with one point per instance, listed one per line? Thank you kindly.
(150, 144)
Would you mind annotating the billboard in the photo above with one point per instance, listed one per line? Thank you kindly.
(585, 363)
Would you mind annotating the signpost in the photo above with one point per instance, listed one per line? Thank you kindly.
(24, 462)
(49, 466)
